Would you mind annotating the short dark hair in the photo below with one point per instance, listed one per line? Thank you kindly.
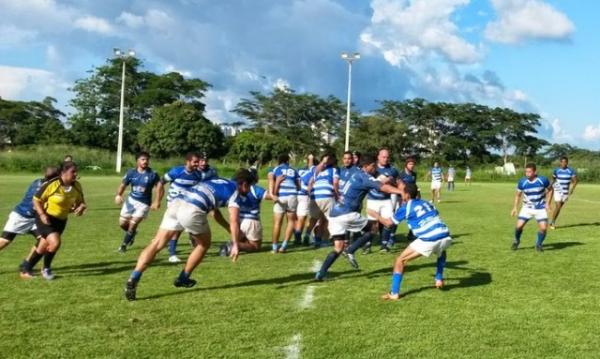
(367, 160)
(410, 159)
(190, 155)
(531, 165)
(142, 154)
(283, 158)
(244, 176)
(356, 153)
(564, 158)
(382, 149)
(411, 189)
(67, 166)
(347, 153)
(254, 172)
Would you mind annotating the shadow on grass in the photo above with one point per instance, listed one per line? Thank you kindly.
(589, 224)
(555, 246)
(474, 279)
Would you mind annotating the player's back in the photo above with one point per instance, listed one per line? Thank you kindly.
(25, 207)
(210, 194)
(323, 186)
(424, 220)
(353, 193)
(287, 187)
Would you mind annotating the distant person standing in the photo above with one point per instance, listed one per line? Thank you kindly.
(451, 175)
(436, 175)
(564, 181)
(468, 175)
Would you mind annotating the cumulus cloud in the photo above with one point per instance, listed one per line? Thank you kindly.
(521, 20)
(591, 133)
(22, 83)
(405, 31)
(94, 24)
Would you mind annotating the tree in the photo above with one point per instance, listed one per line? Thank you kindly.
(375, 132)
(178, 128)
(254, 146)
(25, 123)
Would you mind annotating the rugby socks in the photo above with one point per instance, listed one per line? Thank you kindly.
(274, 246)
(128, 238)
(183, 276)
(540, 238)
(135, 276)
(518, 233)
(284, 245)
(439, 267)
(318, 241)
(173, 247)
(297, 237)
(331, 257)
(385, 237)
(33, 260)
(364, 239)
(48, 257)
(396, 281)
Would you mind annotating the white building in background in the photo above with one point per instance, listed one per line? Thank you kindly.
(229, 130)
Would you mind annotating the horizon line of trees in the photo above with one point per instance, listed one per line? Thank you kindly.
(165, 115)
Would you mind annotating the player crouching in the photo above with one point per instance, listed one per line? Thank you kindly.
(432, 235)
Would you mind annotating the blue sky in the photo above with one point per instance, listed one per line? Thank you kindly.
(530, 55)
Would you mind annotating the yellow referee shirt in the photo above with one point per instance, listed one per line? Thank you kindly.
(58, 200)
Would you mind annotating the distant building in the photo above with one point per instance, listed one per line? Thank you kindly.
(230, 130)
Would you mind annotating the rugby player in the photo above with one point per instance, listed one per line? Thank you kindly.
(564, 181)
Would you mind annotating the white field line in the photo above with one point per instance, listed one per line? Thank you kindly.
(316, 266)
(292, 351)
(308, 298)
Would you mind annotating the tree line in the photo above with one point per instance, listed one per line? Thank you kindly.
(165, 114)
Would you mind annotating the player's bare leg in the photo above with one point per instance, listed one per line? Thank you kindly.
(518, 232)
(555, 213)
(203, 242)
(289, 230)
(277, 221)
(541, 235)
(399, 264)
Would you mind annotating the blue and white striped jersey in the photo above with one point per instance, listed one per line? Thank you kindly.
(422, 219)
(210, 194)
(563, 179)
(305, 176)
(323, 186)
(388, 171)
(248, 204)
(208, 173)
(436, 174)
(346, 173)
(181, 180)
(288, 185)
(534, 192)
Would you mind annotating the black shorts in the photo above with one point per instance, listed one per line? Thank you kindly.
(56, 225)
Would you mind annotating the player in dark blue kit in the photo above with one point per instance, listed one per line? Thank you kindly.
(345, 215)
(143, 181)
(348, 168)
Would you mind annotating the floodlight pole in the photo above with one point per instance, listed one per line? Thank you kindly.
(120, 54)
(349, 58)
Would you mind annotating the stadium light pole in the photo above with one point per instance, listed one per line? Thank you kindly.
(123, 56)
(349, 58)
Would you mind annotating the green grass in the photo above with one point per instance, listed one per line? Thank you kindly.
(499, 304)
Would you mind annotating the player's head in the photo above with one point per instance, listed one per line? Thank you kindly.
(410, 191)
(368, 164)
(410, 163)
(347, 159)
(244, 180)
(51, 172)
(142, 160)
(283, 158)
(68, 172)
(203, 161)
(564, 162)
(192, 161)
(68, 158)
(254, 172)
(356, 158)
(383, 157)
(329, 158)
(436, 164)
(530, 170)
(310, 159)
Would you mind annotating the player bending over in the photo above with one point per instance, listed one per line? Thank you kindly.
(432, 235)
(534, 190)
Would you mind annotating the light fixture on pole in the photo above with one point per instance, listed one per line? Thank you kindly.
(123, 56)
(349, 58)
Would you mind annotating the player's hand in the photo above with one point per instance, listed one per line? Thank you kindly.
(80, 210)
(275, 198)
(44, 218)
(373, 214)
(118, 199)
(155, 206)
(234, 253)
(513, 213)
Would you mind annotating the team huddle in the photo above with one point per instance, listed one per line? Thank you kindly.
(320, 203)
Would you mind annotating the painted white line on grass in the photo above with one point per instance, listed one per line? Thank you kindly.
(292, 351)
(316, 266)
(309, 295)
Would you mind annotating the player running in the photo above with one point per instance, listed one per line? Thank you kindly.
(381, 202)
(533, 189)
(22, 218)
(437, 177)
(564, 181)
(139, 201)
(53, 203)
(432, 235)
(181, 179)
(188, 212)
(285, 196)
(345, 215)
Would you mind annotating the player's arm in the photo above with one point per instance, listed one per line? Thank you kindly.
(80, 205)
(234, 229)
(276, 183)
(573, 185)
(388, 188)
(518, 196)
(159, 193)
(388, 222)
(271, 182)
(119, 194)
(336, 187)
(39, 199)
(218, 216)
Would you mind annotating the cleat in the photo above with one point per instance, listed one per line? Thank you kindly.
(514, 246)
(384, 249)
(174, 259)
(47, 274)
(552, 226)
(224, 250)
(439, 283)
(351, 259)
(188, 283)
(130, 289)
(282, 250)
(367, 249)
(539, 248)
(319, 277)
(390, 296)
(306, 241)
(122, 248)
(26, 275)
(297, 241)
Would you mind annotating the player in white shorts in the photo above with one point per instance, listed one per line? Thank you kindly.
(564, 181)
(303, 208)
(325, 182)
(533, 191)
(285, 196)
(437, 177)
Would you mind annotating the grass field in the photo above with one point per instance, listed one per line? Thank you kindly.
(497, 304)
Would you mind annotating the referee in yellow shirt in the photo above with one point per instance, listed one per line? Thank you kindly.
(52, 203)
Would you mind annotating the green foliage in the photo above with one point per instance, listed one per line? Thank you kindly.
(178, 128)
(374, 132)
(252, 146)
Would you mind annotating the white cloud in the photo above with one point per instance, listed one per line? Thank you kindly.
(559, 134)
(11, 35)
(94, 24)
(406, 30)
(184, 73)
(591, 133)
(131, 20)
(521, 20)
(22, 83)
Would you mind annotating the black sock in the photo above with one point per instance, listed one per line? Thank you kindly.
(34, 259)
(364, 239)
(331, 257)
(129, 237)
(48, 259)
